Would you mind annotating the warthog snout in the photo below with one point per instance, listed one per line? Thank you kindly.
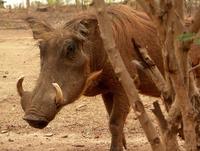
(36, 122)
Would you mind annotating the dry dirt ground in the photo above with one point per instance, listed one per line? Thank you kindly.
(81, 126)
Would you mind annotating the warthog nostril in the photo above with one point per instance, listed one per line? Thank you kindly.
(36, 122)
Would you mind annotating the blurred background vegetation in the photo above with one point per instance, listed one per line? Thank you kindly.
(189, 7)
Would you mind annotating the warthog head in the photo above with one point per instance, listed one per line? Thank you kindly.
(64, 73)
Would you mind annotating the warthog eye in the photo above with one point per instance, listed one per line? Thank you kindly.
(70, 48)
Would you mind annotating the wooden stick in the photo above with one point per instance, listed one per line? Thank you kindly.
(169, 127)
(193, 68)
(161, 118)
(152, 70)
(115, 59)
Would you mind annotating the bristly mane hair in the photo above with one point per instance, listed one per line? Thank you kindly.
(127, 24)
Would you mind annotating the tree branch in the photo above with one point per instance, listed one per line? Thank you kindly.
(152, 71)
(158, 113)
(194, 68)
(116, 61)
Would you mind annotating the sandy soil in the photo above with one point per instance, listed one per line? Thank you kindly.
(81, 126)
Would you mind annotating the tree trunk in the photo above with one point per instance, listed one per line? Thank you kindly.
(27, 3)
(170, 24)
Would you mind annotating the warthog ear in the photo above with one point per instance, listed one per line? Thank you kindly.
(81, 31)
(87, 27)
(82, 28)
(38, 27)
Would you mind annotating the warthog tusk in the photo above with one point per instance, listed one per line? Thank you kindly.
(20, 89)
(59, 94)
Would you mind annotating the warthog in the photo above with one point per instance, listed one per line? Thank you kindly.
(74, 62)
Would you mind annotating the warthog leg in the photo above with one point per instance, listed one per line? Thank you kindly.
(118, 116)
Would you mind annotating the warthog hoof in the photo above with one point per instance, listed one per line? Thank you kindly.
(116, 148)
